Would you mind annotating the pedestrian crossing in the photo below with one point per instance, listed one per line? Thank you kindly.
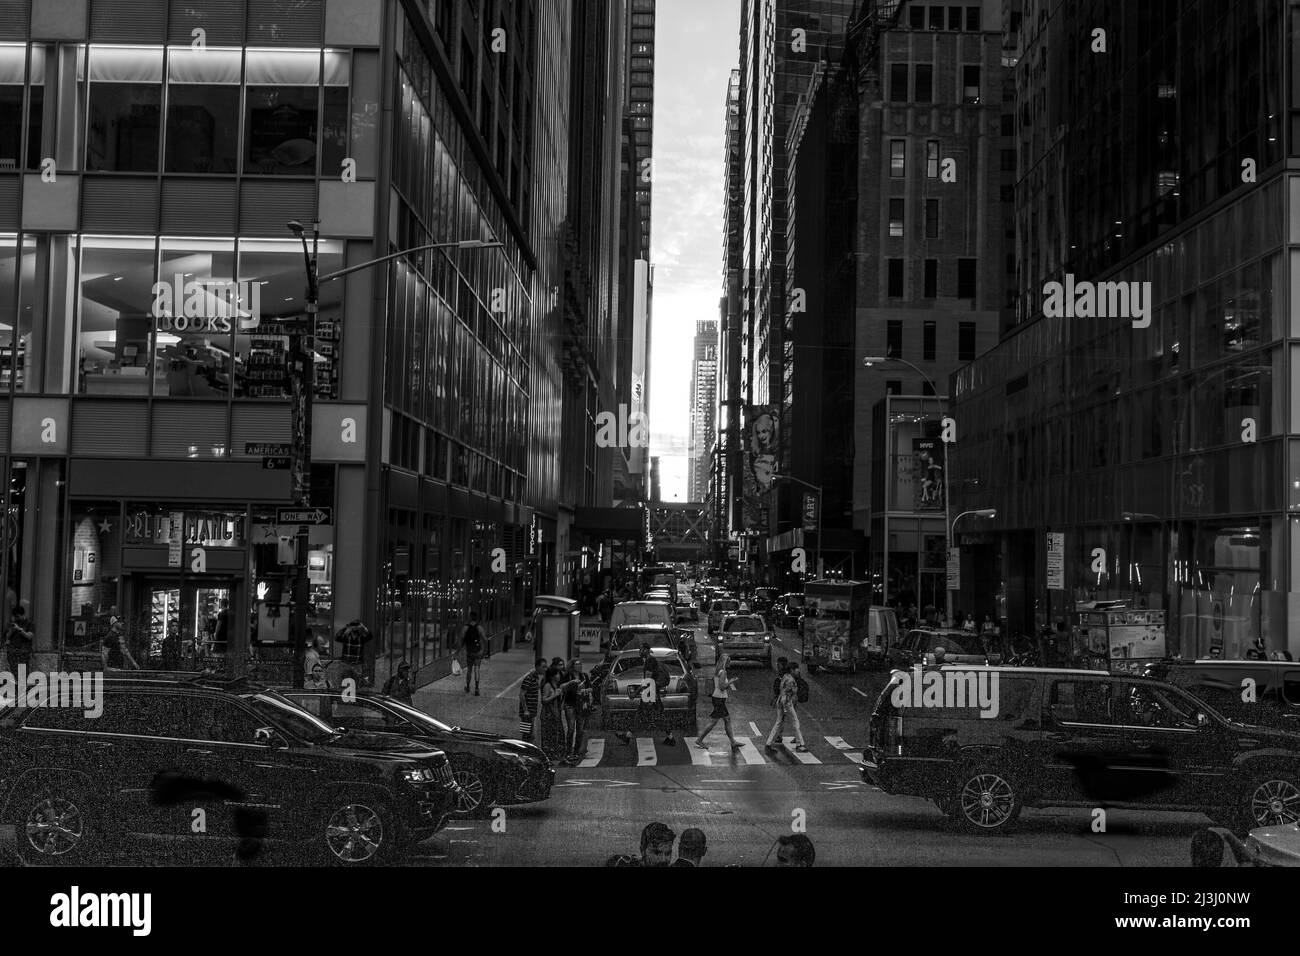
(717, 752)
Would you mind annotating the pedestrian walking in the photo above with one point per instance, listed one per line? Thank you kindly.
(785, 707)
(112, 647)
(472, 643)
(19, 640)
(313, 668)
(577, 707)
(530, 700)
(722, 686)
(691, 848)
(656, 848)
(399, 684)
(605, 605)
(552, 715)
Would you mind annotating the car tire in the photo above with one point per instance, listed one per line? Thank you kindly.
(1271, 799)
(476, 784)
(986, 800)
(357, 831)
(52, 826)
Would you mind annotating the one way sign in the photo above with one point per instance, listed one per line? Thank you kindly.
(308, 516)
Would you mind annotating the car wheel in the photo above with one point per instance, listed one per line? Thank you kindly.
(476, 792)
(1271, 800)
(986, 801)
(55, 830)
(357, 832)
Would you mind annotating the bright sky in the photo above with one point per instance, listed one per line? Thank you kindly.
(697, 44)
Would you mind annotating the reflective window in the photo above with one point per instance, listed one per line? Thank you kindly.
(125, 109)
(13, 90)
(115, 315)
(203, 111)
(197, 307)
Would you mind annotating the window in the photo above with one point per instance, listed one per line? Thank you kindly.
(966, 278)
(895, 278)
(223, 721)
(115, 309)
(924, 83)
(894, 387)
(973, 19)
(898, 83)
(917, 14)
(932, 219)
(931, 278)
(932, 159)
(936, 18)
(954, 18)
(194, 330)
(1008, 124)
(897, 158)
(894, 339)
(1007, 194)
(12, 66)
(966, 341)
(929, 339)
(125, 109)
(1008, 160)
(970, 83)
(896, 210)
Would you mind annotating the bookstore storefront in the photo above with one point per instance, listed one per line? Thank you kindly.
(192, 584)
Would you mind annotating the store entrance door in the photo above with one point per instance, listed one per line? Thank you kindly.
(182, 625)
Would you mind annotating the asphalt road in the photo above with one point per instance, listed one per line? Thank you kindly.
(743, 806)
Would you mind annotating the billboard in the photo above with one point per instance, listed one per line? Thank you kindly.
(927, 481)
(762, 432)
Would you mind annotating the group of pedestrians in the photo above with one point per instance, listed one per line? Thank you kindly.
(657, 840)
(561, 695)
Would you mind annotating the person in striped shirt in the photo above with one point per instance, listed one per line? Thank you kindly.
(530, 698)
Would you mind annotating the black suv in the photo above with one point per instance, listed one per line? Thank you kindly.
(1081, 738)
(489, 769)
(1253, 692)
(164, 750)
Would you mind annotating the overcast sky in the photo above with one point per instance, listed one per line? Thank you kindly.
(696, 47)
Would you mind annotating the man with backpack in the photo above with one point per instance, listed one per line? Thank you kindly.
(472, 642)
(654, 670)
(788, 692)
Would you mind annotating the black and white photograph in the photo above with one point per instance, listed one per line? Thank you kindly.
(510, 435)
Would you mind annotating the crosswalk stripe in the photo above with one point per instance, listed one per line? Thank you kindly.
(754, 727)
(595, 751)
(749, 751)
(788, 743)
(699, 755)
(840, 744)
(645, 752)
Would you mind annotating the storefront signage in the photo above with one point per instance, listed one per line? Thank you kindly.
(206, 306)
(954, 569)
(1055, 561)
(210, 529)
(810, 513)
(175, 526)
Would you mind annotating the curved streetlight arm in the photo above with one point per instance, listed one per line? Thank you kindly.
(468, 244)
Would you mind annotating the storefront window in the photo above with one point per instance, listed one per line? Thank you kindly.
(116, 304)
(125, 109)
(13, 63)
(95, 555)
(194, 322)
(203, 111)
(261, 350)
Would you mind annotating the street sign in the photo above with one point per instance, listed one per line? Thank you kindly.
(954, 569)
(276, 463)
(309, 516)
(261, 449)
(1056, 561)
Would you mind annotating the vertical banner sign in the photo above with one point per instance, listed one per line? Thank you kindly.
(954, 569)
(761, 452)
(175, 539)
(809, 513)
(927, 475)
(1055, 561)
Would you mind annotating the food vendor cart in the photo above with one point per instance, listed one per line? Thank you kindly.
(1110, 636)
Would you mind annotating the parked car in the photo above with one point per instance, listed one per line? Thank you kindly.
(1264, 846)
(70, 784)
(787, 610)
(960, 647)
(745, 637)
(720, 609)
(489, 769)
(620, 693)
(1081, 738)
(1253, 692)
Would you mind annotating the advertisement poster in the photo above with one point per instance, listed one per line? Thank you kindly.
(927, 484)
(762, 431)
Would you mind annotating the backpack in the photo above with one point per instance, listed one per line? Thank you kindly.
(803, 688)
(661, 677)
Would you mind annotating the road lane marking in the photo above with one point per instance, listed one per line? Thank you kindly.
(749, 751)
(699, 755)
(595, 752)
(645, 752)
(840, 744)
(754, 729)
(788, 744)
(863, 693)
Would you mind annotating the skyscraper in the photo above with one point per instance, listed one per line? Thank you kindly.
(703, 406)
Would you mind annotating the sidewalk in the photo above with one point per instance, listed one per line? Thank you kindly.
(496, 709)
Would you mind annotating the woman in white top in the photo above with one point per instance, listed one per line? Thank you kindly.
(722, 684)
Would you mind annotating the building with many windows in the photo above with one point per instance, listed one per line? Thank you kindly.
(1154, 438)
(148, 284)
(703, 406)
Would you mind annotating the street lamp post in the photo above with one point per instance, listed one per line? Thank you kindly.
(816, 488)
(302, 377)
(868, 362)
